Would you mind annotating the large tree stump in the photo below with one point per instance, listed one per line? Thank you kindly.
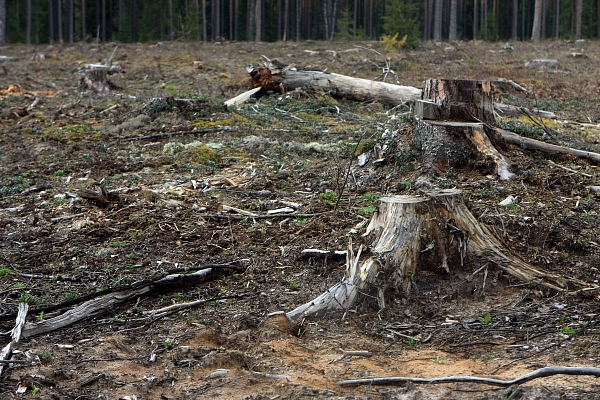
(434, 231)
(454, 119)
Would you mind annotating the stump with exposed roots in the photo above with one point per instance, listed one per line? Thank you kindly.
(434, 230)
(455, 128)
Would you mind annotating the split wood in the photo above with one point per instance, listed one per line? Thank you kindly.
(540, 373)
(15, 335)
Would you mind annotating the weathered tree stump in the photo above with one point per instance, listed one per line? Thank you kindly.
(433, 231)
(455, 117)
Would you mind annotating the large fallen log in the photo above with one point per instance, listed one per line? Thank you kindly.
(277, 77)
(274, 76)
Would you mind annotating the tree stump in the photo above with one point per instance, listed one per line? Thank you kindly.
(434, 231)
(456, 118)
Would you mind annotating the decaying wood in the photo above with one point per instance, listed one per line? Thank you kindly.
(546, 148)
(539, 373)
(506, 110)
(15, 335)
(112, 297)
(454, 117)
(433, 231)
(96, 75)
(242, 98)
(279, 78)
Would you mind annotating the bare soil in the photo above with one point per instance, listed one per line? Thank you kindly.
(162, 209)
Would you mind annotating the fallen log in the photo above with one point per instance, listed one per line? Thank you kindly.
(547, 148)
(275, 76)
(278, 77)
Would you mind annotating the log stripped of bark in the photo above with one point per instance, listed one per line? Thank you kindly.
(434, 231)
(278, 77)
(539, 373)
(100, 305)
(546, 148)
(15, 335)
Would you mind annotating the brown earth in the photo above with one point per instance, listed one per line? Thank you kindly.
(162, 209)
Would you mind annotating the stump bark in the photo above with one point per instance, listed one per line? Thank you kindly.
(433, 231)
(455, 117)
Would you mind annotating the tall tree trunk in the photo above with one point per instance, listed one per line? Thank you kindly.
(250, 20)
(515, 20)
(355, 19)
(437, 21)
(170, 19)
(298, 18)
(133, 11)
(3, 22)
(258, 18)
(475, 18)
(537, 21)
(326, 19)
(557, 19)
(204, 27)
(543, 19)
(103, 23)
(453, 21)
(235, 28)
(28, 26)
(333, 19)
(232, 13)
(484, 19)
(578, 12)
(50, 20)
(83, 23)
(59, 22)
(286, 19)
(71, 21)
(121, 16)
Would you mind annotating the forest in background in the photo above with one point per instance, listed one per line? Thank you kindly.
(69, 21)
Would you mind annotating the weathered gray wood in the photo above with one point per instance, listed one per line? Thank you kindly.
(546, 148)
(434, 231)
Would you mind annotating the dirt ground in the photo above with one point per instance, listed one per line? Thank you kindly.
(103, 191)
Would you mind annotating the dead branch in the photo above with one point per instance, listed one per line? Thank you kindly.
(161, 312)
(546, 148)
(179, 133)
(351, 353)
(540, 373)
(15, 335)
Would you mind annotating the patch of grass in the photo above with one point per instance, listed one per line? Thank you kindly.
(34, 390)
(366, 211)
(59, 201)
(301, 221)
(329, 197)
(116, 244)
(568, 330)
(294, 286)
(369, 197)
(46, 358)
(60, 172)
(20, 285)
(512, 207)
(4, 271)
